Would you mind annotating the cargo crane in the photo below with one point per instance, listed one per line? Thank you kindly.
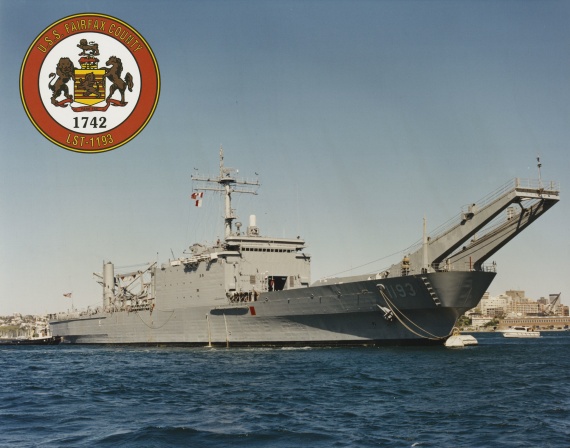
(549, 309)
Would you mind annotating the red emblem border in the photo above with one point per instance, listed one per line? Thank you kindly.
(71, 139)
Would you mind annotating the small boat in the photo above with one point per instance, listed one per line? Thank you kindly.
(521, 332)
(39, 335)
(47, 340)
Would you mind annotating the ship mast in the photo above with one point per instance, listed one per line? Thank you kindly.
(227, 183)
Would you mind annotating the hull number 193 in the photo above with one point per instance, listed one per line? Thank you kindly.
(401, 290)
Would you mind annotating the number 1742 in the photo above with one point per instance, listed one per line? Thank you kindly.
(95, 122)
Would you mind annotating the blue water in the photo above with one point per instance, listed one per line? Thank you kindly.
(502, 393)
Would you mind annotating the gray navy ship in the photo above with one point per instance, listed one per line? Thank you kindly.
(250, 289)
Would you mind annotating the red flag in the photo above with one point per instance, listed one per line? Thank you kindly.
(199, 203)
(197, 195)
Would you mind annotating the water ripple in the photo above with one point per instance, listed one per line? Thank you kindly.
(502, 393)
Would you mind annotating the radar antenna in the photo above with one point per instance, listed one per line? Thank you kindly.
(226, 182)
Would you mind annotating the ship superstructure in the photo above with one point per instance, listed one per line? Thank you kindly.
(253, 289)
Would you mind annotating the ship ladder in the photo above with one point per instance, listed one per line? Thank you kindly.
(431, 291)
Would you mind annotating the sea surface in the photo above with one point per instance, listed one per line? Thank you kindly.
(502, 393)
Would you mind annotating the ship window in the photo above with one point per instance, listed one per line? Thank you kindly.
(276, 282)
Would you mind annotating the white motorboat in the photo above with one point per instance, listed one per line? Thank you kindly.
(521, 332)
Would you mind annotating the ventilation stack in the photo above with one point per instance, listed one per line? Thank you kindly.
(108, 284)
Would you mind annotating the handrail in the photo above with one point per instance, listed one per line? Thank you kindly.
(444, 267)
(512, 185)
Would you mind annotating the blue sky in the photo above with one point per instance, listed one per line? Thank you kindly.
(361, 117)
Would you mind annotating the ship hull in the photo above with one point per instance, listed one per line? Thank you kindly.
(416, 310)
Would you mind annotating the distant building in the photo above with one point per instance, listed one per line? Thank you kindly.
(478, 321)
(523, 307)
(514, 305)
(515, 294)
(538, 322)
(494, 306)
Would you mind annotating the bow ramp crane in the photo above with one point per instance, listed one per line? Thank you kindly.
(467, 241)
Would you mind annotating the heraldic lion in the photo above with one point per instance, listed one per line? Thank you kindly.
(88, 49)
(88, 84)
(114, 75)
(65, 71)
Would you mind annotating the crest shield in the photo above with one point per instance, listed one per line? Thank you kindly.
(89, 86)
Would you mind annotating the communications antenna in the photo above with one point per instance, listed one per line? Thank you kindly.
(538, 164)
(225, 182)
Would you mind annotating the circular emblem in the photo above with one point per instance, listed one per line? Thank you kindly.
(89, 83)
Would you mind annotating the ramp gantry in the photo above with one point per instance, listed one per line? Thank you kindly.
(467, 241)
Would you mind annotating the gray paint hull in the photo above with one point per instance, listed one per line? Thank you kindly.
(353, 313)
